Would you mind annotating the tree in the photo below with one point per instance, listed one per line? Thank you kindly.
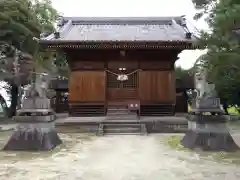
(20, 22)
(223, 57)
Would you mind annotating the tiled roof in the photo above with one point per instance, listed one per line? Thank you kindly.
(121, 29)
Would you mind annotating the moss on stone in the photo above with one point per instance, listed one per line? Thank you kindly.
(175, 142)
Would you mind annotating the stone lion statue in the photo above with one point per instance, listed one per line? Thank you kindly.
(204, 89)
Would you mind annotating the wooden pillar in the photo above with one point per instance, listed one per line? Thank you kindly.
(173, 86)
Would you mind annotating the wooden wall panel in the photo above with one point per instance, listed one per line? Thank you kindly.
(87, 65)
(130, 64)
(156, 65)
(73, 87)
(173, 85)
(120, 94)
(156, 86)
(87, 86)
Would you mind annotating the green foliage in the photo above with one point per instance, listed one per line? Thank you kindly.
(223, 57)
(181, 73)
(18, 24)
(46, 15)
(184, 76)
(61, 64)
(21, 22)
(204, 7)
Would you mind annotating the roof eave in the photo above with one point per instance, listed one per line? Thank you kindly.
(54, 42)
(119, 44)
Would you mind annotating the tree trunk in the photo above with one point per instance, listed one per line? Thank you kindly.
(4, 106)
(14, 100)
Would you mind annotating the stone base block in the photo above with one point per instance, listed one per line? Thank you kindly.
(33, 137)
(209, 141)
(210, 119)
(30, 119)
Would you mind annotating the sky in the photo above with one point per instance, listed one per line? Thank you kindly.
(135, 8)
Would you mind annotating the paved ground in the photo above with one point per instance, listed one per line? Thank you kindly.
(132, 157)
(8, 124)
(62, 119)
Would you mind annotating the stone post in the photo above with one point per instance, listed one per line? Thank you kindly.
(207, 123)
(36, 127)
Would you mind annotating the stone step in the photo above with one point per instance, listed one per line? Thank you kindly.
(122, 121)
(123, 133)
(123, 125)
(120, 113)
(157, 114)
(117, 109)
(122, 130)
(126, 128)
(123, 117)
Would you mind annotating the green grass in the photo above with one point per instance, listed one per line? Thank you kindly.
(231, 110)
(223, 157)
(175, 142)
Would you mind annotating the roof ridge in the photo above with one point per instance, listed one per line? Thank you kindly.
(122, 20)
(158, 29)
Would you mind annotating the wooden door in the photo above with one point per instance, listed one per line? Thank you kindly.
(121, 91)
(156, 86)
(87, 86)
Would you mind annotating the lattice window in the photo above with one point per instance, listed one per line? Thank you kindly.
(131, 82)
(112, 81)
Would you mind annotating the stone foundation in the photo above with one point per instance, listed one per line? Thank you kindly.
(33, 137)
(209, 141)
(209, 135)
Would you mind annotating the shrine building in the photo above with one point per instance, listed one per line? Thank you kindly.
(121, 62)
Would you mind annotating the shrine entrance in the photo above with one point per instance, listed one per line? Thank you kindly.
(122, 85)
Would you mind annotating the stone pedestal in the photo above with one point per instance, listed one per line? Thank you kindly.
(37, 136)
(207, 124)
(36, 128)
(209, 133)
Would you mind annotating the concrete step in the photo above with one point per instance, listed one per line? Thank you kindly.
(122, 121)
(122, 130)
(126, 128)
(117, 109)
(119, 113)
(157, 114)
(124, 117)
(123, 134)
(123, 125)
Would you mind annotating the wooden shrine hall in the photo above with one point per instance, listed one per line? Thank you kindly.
(121, 63)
